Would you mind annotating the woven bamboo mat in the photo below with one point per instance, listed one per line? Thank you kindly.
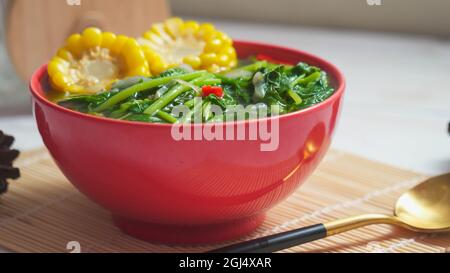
(42, 212)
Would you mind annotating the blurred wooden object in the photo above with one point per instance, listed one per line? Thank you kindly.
(34, 30)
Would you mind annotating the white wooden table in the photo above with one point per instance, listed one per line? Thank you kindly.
(397, 105)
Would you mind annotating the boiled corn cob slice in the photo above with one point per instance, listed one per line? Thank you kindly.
(90, 61)
(175, 42)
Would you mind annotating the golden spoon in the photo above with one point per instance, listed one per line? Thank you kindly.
(424, 208)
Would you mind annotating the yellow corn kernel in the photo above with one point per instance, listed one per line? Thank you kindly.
(189, 27)
(213, 45)
(73, 44)
(157, 68)
(208, 59)
(226, 40)
(173, 26)
(108, 39)
(61, 80)
(154, 38)
(64, 54)
(130, 44)
(158, 29)
(206, 30)
(139, 71)
(233, 63)
(134, 56)
(74, 88)
(91, 37)
(118, 44)
(230, 51)
(193, 61)
(150, 55)
(214, 68)
(57, 65)
(223, 60)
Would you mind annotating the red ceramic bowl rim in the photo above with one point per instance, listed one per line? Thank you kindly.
(36, 90)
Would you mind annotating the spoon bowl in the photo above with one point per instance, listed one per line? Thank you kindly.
(426, 207)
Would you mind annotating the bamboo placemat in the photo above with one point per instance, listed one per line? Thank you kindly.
(42, 212)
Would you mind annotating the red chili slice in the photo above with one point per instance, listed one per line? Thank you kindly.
(208, 89)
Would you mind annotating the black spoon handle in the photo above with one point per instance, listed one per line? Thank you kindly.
(276, 242)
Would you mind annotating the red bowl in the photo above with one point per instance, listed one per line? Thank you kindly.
(189, 191)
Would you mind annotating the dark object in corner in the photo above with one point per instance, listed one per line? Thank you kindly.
(7, 156)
